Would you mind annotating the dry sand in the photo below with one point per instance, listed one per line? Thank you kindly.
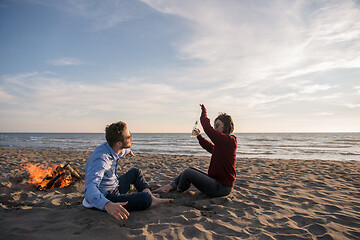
(272, 199)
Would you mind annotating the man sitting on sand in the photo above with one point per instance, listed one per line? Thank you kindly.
(105, 190)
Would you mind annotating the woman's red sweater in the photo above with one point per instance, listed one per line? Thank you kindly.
(223, 150)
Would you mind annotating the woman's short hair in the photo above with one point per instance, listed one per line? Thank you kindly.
(228, 122)
(114, 133)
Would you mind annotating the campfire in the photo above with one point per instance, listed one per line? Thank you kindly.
(57, 176)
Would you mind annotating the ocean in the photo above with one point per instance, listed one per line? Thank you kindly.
(307, 146)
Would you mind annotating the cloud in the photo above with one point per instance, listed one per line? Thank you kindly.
(351, 105)
(309, 87)
(65, 62)
(323, 114)
(260, 55)
(43, 93)
(250, 42)
(102, 14)
(243, 57)
(5, 97)
(240, 43)
(357, 88)
(316, 88)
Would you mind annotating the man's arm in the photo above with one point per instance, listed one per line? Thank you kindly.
(93, 177)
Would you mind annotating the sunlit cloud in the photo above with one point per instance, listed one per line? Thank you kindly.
(256, 57)
(358, 89)
(259, 59)
(5, 97)
(290, 39)
(41, 92)
(316, 88)
(308, 87)
(351, 105)
(65, 61)
(323, 114)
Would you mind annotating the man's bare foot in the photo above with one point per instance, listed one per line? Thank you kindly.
(157, 201)
(164, 189)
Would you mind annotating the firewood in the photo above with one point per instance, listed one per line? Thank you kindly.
(73, 172)
(62, 175)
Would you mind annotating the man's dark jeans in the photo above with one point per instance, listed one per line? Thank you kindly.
(136, 201)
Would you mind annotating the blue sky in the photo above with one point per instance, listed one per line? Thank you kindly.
(275, 66)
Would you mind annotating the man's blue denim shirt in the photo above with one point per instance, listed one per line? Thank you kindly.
(101, 175)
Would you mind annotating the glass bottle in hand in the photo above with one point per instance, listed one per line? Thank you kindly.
(196, 126)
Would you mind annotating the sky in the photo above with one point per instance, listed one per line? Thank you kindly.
(274, 66)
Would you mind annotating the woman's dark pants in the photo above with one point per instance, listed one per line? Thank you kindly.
(201, 181)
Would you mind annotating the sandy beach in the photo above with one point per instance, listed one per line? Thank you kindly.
(272, 199)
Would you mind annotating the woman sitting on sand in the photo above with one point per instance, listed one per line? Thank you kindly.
(221, 173)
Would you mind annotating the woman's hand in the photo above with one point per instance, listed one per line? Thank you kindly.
(203, 109)
(131, 154)
(196, 131)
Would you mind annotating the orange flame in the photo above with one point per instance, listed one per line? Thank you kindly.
(47, 177)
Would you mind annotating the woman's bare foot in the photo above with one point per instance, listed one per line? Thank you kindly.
(164, 189)
(157, 201)
(152, 194)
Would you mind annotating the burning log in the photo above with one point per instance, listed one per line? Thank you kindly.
(56, 177)
(52, 181)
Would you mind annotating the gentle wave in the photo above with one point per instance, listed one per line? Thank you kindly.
(323, 146)
(348, 140)
(350, 153)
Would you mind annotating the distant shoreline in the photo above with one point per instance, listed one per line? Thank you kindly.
(168, 154)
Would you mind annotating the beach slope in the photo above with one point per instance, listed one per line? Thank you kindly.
(272, 199)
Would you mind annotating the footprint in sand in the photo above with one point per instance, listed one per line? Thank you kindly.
(56, 201)
(317, 229)
(332, 208)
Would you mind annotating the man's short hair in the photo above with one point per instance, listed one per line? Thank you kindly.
(114, 133)
(228, 122)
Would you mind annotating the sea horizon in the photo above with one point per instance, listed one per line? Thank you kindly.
(341, 146)
(335, 132)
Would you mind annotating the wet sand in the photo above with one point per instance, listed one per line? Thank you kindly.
(272, 199)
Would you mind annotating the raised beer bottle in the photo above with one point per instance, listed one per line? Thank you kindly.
(196, 126)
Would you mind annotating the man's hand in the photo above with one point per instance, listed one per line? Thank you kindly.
(117, 210)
